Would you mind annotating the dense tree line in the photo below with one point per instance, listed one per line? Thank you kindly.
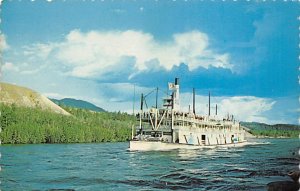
(278, 130)
(33, 125)
(276, 133)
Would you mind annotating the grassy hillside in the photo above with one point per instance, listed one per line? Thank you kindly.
(20, 96)
(69, 102)
(34, 125)
(278, 130)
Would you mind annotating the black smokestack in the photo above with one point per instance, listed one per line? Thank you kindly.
(142, 101)
(176, 81)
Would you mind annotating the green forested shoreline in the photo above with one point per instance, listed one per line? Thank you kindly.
(21, 125)
(275, 133)
(278, 130)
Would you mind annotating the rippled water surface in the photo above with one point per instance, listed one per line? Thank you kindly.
(109, 166)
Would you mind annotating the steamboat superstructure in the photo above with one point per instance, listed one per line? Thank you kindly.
(170, 128)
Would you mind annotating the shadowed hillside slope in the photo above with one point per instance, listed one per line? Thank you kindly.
(21, 96)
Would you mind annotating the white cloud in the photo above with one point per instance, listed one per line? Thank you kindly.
(30, 72)
(3, 46)
(97, 53)
(244, 108)
(8, 66)
(247, 108)
(39, 50)
(3, 43)
(23, 68)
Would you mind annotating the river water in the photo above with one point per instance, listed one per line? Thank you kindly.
(109, 166)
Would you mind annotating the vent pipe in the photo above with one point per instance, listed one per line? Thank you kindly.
(142, 102)
(209, 103)
(194, 108)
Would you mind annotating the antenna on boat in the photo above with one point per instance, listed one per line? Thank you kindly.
(156, 97)
(133, 99)
(209, 103)
(194, 109)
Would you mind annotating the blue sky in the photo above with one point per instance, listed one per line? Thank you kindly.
(245, 53)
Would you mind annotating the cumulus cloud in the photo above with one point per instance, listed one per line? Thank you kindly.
(98, 53)
(244, 108)
(247, 108)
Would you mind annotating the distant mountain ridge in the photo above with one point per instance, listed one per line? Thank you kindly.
(263, 126)
(70, 102)
(274, 131)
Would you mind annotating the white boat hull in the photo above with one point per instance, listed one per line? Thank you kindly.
(161, 146)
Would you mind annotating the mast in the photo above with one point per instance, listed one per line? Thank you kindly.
(141, 111)
(209, 103)
(194, 109)
(216, 109)
(156, 110)
(156, 97)
(133, 99)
